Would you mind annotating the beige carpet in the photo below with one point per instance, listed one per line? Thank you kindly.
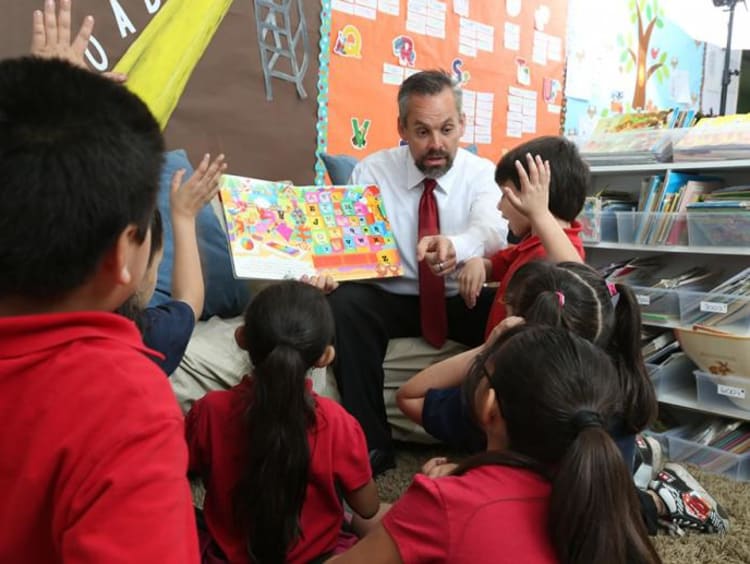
(703, 549)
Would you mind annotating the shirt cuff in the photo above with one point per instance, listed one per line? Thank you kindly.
(466, 247)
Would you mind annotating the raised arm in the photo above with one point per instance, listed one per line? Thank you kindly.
(448, 373)
(186, 200)
(51, 36)
(533, 201)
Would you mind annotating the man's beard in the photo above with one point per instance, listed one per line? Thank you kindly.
(435, 171)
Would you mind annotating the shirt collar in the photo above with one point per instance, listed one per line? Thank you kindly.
(414, 176)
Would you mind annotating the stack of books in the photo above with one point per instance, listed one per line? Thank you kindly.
(638, 138)
(664, 201)
(716, 138)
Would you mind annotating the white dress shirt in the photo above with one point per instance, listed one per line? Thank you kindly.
(467, 199)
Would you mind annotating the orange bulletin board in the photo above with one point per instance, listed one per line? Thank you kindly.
(508, 56)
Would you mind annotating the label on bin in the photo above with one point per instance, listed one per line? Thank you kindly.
(731, 391)
(643, 299)
(713, 307)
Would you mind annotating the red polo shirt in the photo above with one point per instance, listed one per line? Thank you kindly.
(491, 514)
(217, 442)
(506, 262)
(92, 451)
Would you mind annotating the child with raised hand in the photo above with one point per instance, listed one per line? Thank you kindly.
(274, 456)
(167, 328)
(93, 445)
(551, 485)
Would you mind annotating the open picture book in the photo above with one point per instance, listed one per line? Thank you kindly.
(277, 230)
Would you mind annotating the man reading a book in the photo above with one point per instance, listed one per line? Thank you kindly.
(442, 205)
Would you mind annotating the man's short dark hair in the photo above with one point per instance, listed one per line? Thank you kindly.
(80, 158)
(570, 175)
(426, 83)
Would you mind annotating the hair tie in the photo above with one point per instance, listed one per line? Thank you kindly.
(585, 418)
(560, 298)
(612, 289)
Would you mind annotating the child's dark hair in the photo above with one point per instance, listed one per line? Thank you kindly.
(132, 308)
(79, 161)
(556, 403)
(570, 175)
(574, 296)
(157, 235)
(288, 327)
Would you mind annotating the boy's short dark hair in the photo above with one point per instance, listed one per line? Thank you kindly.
(80, 158)
(570, 176)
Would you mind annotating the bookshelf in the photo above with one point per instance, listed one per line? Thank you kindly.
(628, 178)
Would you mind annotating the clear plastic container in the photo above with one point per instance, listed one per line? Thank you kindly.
(652, 228)
(720, 228)
(675, 373)
(710, 459)
(717, 392)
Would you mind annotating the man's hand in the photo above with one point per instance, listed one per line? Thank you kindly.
(50, 36)
(439, 253)
(324, 282)
(532, 200)
(471, 278)
(186, 200)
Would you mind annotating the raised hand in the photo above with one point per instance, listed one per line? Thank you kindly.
(532, 198)
(187, 199)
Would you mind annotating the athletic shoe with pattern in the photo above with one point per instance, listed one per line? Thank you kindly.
(689, 505)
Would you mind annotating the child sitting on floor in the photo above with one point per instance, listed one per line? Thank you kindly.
(274, 456)
(167, 328)
(576, 297)
(551, 486)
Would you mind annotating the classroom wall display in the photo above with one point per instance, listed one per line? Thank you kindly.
(624, 55)
(507, 55)
(198, 65)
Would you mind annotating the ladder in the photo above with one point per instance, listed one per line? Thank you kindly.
(277, 42)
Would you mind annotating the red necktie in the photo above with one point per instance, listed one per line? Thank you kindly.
(433, 317)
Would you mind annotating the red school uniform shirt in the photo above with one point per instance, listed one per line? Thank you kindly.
(217, 444)
(92, 452)
(492, 514)
(507, 261)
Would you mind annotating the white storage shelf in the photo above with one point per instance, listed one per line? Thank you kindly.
(675, 382)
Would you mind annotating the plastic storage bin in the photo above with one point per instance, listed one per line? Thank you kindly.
(651, 228)
(712, 310)
(657, 305)
(710, 459)
(722, 392)
(719, 228)
(674, 374)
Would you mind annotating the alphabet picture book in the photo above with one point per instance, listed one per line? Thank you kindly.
(277, 230)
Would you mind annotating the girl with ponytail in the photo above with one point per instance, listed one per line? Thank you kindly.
(551, 486)
(273, 455)
(570, 295)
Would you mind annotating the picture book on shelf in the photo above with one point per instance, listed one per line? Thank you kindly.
(278, 230)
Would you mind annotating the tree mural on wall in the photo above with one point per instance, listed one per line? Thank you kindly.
(637, 52)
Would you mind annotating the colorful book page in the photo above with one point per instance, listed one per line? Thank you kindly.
(279, 231)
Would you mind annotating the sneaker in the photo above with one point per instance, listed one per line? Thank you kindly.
(689, 505)
(649, 460)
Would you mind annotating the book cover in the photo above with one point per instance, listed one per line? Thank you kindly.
(279, 230)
